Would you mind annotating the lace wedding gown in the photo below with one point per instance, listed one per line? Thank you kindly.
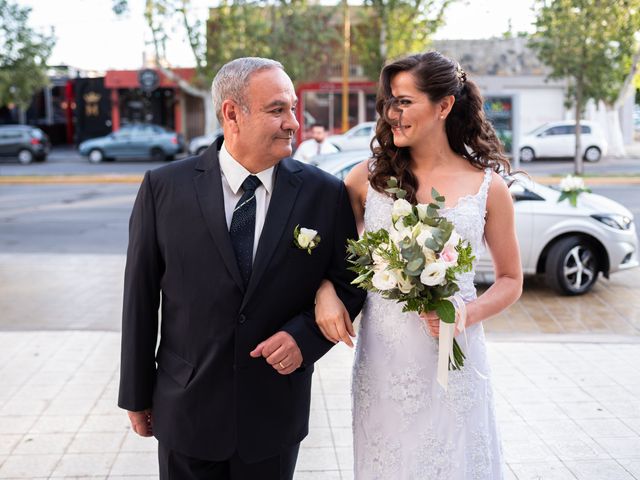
(406, 427)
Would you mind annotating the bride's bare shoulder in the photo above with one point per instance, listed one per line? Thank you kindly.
(357, 181)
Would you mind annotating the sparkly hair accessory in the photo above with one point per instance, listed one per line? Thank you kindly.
(462, 75)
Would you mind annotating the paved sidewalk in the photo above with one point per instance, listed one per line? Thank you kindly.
(565, 373)
(566, 411)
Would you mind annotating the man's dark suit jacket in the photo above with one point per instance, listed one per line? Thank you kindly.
(209, 397)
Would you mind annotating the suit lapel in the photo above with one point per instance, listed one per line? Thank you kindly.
(285, 191)
(208, 185)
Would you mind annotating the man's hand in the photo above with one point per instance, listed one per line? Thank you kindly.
(142, 422)
(281, 352)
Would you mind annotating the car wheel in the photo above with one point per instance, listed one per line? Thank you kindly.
(592, 154)
(527, 154)
(572, 266)
(25, 156)
(201, 150)
(96, 156)
(157, 155)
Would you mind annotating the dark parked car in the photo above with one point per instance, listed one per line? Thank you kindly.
(24, 142)
(135, 141)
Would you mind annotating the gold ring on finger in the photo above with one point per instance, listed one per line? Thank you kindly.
(281, 365)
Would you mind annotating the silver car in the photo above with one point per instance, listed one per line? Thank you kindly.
(197, 145)
(569, 245)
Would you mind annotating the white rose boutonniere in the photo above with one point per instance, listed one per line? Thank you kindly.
(305, 238)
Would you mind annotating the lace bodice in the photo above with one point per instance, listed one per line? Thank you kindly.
(468, 216)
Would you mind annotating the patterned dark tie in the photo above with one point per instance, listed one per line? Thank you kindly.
(243, 227)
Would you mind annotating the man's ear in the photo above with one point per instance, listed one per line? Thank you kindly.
(230, 111)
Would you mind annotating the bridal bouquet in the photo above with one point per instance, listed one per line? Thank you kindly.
(416, 263)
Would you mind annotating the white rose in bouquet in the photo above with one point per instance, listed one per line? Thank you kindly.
(401, 208)
(433, 274)
(384, 280)
(423, 233)
(422, 211)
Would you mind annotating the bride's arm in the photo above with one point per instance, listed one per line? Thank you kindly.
(500, 235)
(331, 315)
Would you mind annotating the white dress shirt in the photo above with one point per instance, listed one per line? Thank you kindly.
(310, 148)
(233, 174)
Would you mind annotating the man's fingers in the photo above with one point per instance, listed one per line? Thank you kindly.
(277, 356)
(142, 422)
(257, 352)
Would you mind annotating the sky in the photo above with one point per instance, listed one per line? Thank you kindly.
(91, 37)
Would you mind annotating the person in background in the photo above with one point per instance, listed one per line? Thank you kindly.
(316, 145)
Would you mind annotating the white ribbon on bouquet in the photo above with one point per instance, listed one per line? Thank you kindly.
(446, 337)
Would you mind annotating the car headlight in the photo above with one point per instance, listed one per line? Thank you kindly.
(620, 222)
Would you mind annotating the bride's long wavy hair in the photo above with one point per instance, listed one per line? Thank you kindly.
(469, 132)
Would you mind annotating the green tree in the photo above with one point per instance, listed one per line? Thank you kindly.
(292, 31)
(23, 56)
(591, 43)
(390, 28)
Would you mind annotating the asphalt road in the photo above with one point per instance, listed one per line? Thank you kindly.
(93, 218)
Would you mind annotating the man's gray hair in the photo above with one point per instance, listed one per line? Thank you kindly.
(232, 80)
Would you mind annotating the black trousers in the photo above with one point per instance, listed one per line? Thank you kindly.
(176, 466)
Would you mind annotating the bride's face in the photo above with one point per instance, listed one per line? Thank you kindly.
(414, 116)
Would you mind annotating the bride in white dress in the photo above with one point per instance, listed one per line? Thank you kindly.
(405, 425)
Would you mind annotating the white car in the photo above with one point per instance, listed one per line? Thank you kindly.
(558, 140)
(357, 138)
(197, 145)
(569, 245)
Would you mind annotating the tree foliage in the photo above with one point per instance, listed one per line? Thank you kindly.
(591, 43)
(23, 56)
(299, 34)
(386, 29)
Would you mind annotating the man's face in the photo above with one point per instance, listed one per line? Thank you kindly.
(318, 134)
(266, 130)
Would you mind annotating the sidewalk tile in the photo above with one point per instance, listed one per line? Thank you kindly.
(604, 427)
(96, 442)
(631, 465)
(135, 443)
(621, 447)
(16, 423)
(84, 465)
(8, 442)
(43, 443)
(599, 470)
(552, 470)
(317, 458)
(28, 466)
(321, 475)
(57, 424)
(117, 422)
(139, 463)
(577, 448)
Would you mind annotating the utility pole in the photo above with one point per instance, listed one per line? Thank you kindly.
(345, 67)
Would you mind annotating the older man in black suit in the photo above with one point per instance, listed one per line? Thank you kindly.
(212, 244)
